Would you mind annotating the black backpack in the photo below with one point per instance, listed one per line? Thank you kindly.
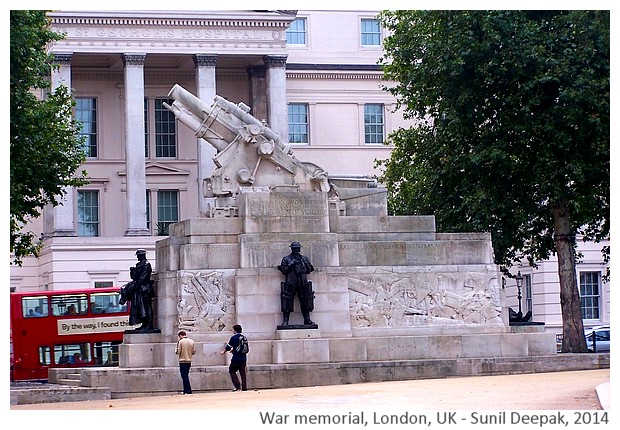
(243, 347)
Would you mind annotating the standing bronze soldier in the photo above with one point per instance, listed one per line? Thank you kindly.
(140, 293)
(295, 267)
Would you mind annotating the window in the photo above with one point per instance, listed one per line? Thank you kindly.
(34, 307)
(371, 32)
(165, 130)
(167, 210)
(88, 213)
(78, 353)
(373, 123)
(148, 210)
(297, 123)
(106, 353)
(45, 356)
(296, 33)
(146, 127)
(75, 304)
(527, 288)
(107, 303)
(86, 114)
(104, 284)
(589, 287)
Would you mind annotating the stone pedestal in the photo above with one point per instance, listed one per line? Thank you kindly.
(292, 334)
(387, 288)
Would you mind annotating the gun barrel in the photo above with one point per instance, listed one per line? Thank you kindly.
(197, 106)
(247, 118)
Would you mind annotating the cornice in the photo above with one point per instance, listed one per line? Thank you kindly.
(334, 75)
(172, 18)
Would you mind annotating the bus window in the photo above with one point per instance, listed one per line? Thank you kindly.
(45, 356)
(107, 302)
(72, 354)
(106, 353)
(70, 304)
(34, 307)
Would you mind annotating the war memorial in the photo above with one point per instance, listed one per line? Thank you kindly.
(389, 297)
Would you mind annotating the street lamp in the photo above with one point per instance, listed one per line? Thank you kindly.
(519, 280)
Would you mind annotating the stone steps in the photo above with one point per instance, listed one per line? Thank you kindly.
(137, 382)
(54, 393)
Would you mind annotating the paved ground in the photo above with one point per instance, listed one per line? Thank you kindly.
(560, 391)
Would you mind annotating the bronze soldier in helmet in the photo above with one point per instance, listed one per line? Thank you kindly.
(296, 267)
(140, 293)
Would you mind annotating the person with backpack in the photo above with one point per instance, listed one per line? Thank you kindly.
(238, 345)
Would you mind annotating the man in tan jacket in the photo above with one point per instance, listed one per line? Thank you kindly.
(185, 350)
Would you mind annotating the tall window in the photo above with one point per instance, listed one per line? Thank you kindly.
(297, 123)
(88, 213)
(165, 130)
(371, 32)
(373, 123)
(296, 33)
(86, 114)
(589, 291)
(527, 289)
(146, 127)
(148, 210)
(167, 210)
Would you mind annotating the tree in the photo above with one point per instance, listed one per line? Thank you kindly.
(511, 135)
(46, 149)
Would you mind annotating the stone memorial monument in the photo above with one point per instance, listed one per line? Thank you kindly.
(394, 298)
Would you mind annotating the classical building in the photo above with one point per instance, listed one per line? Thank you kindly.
(311, 76)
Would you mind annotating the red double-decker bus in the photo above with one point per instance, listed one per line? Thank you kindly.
(73, 328)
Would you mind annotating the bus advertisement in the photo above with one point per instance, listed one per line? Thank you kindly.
(73, 328)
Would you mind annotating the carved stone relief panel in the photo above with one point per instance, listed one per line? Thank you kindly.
(205, 304)
(387, 298)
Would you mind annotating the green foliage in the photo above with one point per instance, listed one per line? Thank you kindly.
(46, 149)
(512, 120)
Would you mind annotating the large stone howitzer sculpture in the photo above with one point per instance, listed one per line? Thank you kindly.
(249, 154)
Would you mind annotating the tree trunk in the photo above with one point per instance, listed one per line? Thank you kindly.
(572, 323)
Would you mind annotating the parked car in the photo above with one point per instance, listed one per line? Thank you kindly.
(602, 339)
(597, 338)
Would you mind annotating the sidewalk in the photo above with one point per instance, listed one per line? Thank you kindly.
(556, 391)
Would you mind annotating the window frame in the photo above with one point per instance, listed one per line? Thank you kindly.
(147, 134)
(163, 225)
(161, 139)
(82, 224)
(91, 142)
(296, 32)
(369, 134)
(527, 293)
(591, 302)
(305, 133)
(365, 34)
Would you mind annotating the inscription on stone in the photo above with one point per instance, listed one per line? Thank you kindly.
(181, 34)
(306, 205)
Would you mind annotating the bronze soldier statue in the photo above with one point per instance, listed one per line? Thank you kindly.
(140, 293)
(296, 267)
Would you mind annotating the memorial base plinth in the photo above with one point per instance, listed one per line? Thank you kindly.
(140, 331)
(298, 327)
(291, 334)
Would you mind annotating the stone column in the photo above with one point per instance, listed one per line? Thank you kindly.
(60, 220)
(258, 92)
(205, 91)
(134, 144)
(276, 95)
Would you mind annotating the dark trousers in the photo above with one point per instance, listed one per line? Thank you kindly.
(233, 369)
(184, 367)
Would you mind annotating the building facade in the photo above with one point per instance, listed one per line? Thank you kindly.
(312, 76)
